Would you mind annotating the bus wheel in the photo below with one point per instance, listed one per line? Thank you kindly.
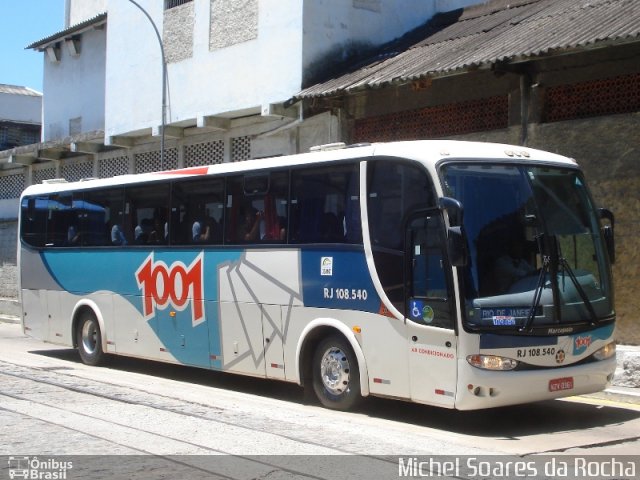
(89, 339)
(336, 379)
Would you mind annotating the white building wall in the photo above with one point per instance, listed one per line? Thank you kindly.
(21, 108)
(228, 57)
(75, 86)
(77, 11)
(211, 80)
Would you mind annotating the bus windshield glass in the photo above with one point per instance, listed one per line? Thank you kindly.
(536, 252)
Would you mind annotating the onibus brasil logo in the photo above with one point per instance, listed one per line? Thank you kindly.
(36, 468)
(176, 285)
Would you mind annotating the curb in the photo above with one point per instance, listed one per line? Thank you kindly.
(628, 367)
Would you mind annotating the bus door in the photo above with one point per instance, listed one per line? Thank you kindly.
(429, 313)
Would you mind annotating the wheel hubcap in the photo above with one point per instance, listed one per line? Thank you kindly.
(334, 370)
(89, 337)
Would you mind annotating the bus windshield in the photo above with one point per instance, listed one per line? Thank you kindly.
(536, 252)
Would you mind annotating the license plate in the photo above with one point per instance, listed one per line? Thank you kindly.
(558, 384)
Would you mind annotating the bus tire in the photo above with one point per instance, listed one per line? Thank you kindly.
(335, 374)
(89, 339)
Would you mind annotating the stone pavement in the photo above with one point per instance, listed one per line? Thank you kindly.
(624, 388)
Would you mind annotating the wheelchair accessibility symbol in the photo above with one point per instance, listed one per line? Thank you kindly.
(420, 312)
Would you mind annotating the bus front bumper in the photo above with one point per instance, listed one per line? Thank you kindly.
(479, 389)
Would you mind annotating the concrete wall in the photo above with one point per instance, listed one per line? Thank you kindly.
(8, 209)
(75, 87)
(233, 22)
(8, 269)
(77, 11)
(230, 56)
(21, 108)
(214, 77)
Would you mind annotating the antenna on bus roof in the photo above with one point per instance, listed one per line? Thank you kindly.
(328, 146)
(54, 180)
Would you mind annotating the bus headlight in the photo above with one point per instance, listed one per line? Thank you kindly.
(608, 351)
(492, 362)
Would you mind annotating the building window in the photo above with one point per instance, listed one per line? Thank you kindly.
(174, 3)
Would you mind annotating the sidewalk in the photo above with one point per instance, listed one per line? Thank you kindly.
(625, 387)
(6, 318)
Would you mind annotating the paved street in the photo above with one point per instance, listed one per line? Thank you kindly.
(51, 404)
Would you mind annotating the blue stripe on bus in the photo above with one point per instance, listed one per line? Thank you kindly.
(580, 341)
(115, 271)
(338, 279)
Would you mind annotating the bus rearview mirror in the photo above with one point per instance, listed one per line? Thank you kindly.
(608, 233)
(454, 210)
(457, 247)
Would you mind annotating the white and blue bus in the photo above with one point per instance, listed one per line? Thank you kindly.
(463, 275)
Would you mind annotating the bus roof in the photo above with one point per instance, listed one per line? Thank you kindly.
(428, 152)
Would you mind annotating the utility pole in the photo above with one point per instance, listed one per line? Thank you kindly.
(164, 82)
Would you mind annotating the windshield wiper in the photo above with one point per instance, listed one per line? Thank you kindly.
(583, 295)
(537, 295)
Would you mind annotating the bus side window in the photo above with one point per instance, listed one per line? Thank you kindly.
(33, 220)
(242, 215)
(427, 277)
(105, 217)
(395, 189)
(197, 211)
(146, 215)
(325, 205)
(257, 208)
(63, 220)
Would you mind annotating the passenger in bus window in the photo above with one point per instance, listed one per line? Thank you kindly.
(140, 233)
(251, 219)
(72, 235)
(200, 232)
(117, 235)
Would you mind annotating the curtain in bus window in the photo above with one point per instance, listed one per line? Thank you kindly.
(232, 212)
(276, 204)
(272, 223)
(257, 208)
(310, 212)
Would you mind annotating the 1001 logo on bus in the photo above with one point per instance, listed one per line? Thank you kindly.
(177, 285)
